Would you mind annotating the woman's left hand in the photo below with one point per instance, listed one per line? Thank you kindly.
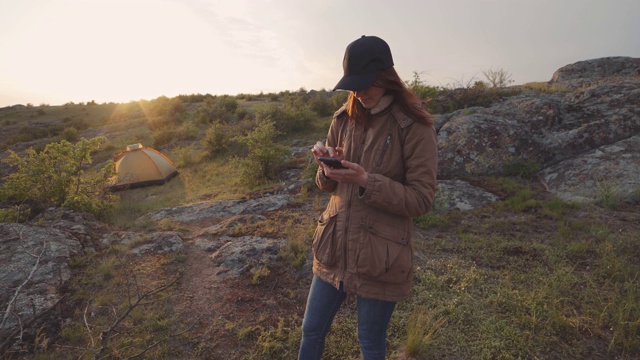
(353, 174)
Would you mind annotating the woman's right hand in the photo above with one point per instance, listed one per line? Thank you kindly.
(319, 150)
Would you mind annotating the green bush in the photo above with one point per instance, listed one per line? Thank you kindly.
(449, 100)
(224, 139)
(321, 104)
(286, 117)
(186, 156)
(419, 88)
(221, 108)
(338, 99)
(58, 176)
(165, 136)
(70, 134)
(265, 157)
(164, 112)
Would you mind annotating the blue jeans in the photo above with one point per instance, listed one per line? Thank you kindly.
(322, 305)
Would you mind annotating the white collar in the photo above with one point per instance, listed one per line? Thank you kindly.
(384, 102)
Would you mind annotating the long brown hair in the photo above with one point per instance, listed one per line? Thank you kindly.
(409, 103)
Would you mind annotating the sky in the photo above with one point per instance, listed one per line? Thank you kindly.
(59, 51)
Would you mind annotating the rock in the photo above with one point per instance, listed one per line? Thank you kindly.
(239, 255)
(20, 247)
(157, 242)
(611, 168)
(589, 72)
(553, 130)
(220, 209)
(460, 195)
(480, 144)
(227, 225)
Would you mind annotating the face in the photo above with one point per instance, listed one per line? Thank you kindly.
(370, 96)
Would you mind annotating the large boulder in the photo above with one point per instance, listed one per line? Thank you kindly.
(557, 131)
(589, 72)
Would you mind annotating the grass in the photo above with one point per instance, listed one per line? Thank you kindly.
(607, 194)
(530, 295)
(545, 88)
(528, 277)
(198, 182)
(495, 289)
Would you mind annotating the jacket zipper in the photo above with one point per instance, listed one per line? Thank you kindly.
(384, 149)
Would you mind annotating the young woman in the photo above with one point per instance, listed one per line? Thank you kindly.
(386, 143)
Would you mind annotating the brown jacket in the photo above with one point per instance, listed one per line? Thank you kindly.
(364, 236)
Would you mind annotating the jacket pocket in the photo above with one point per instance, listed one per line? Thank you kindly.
(324, 240)
(384, 253)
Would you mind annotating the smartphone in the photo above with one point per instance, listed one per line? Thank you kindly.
(334, 163)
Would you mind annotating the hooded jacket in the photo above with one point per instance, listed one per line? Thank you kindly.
(364, 236)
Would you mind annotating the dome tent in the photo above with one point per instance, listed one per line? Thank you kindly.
(139, 166)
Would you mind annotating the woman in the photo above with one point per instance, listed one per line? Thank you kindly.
(362, 247)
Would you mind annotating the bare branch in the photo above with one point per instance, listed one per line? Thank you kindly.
(106, 335)
(86, 324)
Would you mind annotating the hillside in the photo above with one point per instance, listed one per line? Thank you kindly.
(524, 256)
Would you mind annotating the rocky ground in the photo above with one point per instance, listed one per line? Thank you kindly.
(582, 139)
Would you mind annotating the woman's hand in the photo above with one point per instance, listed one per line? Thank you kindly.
(319, 150)
(352, 174)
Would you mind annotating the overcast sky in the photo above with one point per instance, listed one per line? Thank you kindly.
(56, 51)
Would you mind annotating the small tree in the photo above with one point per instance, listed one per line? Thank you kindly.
(266, 157)
(419, 88)
(497, 78)
(216, 139)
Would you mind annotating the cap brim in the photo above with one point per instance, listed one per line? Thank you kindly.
(356, 82)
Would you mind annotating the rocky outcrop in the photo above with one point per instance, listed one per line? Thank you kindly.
(586, 141)
(559, 131)
(139, 244)
(237, 256)
(35, 267)
(590, 72)
(219, 209)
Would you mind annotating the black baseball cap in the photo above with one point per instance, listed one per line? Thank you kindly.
(363, 60)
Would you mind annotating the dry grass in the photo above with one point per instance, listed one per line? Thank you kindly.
(528, 277)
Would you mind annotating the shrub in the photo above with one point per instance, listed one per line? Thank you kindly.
(321, 104)
(57, 176)
(421, 329)
(288, 117)
(222, 108)
(338, 99)
(166, 136)
(265, 157)
(186, 156)
(419, 88)
(449, 100)
(164, 112)
(216, 139)
(497, 78)
(70, 134)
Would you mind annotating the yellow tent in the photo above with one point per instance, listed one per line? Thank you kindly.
(141, 166)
